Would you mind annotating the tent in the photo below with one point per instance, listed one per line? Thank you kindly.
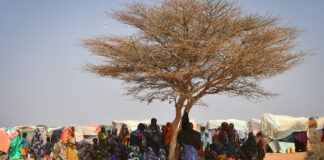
(281, 126)
(131, 124)
(254, 125)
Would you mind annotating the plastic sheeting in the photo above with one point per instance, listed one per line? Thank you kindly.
(254, 126)
(280, 126)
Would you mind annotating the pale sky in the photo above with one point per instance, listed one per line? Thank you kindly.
(42, 80)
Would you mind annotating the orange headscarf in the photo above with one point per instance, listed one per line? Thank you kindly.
(168, 133)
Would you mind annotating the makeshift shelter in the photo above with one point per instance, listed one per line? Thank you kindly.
(254, 126)
(31, 129)
(27, 129)
(90, 132)
(240, 125)
(280, 126)
(131, 124)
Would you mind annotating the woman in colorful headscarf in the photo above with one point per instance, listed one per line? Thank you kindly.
(124, 136)
(37, 147)
(71, 148)
(168, 133)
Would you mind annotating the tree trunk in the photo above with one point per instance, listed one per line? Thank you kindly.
(175, 130)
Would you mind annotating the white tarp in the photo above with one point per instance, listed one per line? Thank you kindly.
(320, 122)
(280, 126)
(238, 124)
(131, 124)
(254, 125)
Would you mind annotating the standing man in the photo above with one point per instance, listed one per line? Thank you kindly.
(153, 136)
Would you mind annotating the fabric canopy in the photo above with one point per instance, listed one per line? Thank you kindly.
(280, 126)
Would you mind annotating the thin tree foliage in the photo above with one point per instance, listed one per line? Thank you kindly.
(186, 49)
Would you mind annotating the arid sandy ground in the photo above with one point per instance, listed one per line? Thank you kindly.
(280, 156)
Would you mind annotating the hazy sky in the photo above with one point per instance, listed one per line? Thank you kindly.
(42, 80)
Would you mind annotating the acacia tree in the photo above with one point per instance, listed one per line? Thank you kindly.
(183, 50)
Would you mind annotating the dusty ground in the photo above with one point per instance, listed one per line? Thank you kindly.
(281, 156)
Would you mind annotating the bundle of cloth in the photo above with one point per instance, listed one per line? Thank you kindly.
(10, 142)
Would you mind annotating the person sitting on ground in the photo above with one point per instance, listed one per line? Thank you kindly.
(149, 154)
(48, 147)
(216, 148)
(231, 148)
(96, 152)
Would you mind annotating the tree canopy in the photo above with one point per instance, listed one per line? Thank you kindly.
(183, 50)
